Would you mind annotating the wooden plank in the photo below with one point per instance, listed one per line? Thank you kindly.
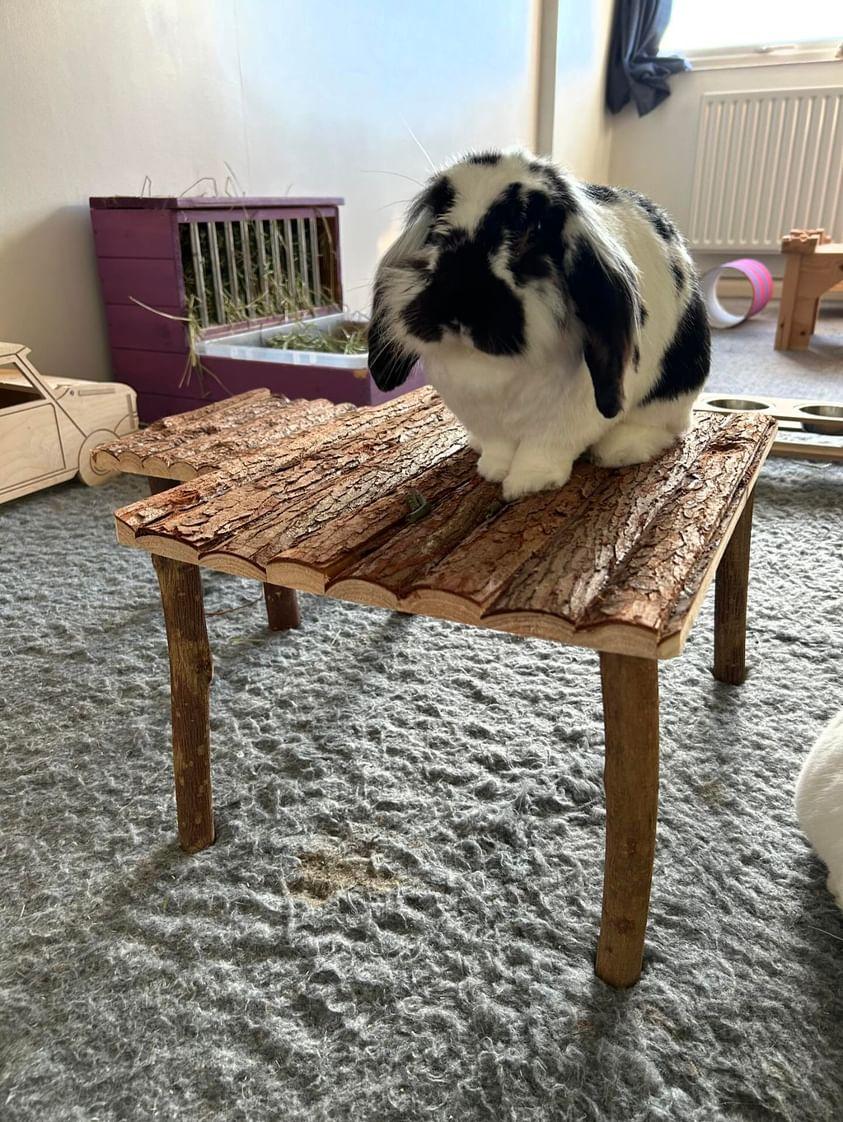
(242, 528)
(367, 431)
(151, 280)
(550, 554)
(132, 235)
(222, 431)
(617, 560)
(809, 450)
(134, 328)
(685, 528)
(588, 539)
(323, 553)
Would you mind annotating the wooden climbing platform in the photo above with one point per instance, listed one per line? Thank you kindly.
(384, 506)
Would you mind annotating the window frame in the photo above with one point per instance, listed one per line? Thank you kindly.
(761, 54)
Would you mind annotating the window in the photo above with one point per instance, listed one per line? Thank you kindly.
(753, 25)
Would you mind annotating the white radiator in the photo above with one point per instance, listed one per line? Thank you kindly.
(767, 160)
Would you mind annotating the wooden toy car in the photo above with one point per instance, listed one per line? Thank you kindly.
(49, 426)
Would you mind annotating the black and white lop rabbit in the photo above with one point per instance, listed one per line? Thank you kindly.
(819, 801)
(553, 316)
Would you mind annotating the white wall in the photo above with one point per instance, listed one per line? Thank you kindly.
(581, 125)
(297, 97)
(656, 154)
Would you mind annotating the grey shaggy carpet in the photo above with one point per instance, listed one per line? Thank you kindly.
(398, 919)
(746, 362)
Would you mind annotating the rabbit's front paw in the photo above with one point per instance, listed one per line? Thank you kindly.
(529, 479)
(628, 443)
(495, 462)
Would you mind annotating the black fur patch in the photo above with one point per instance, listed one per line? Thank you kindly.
(686, 361)
(491, 158)
(437, 197)
(390, 366)
(505, 216)
(678, 274)
(528, 261)
(605, 305)
(659, 220)
(643, 314)
(601, 193)
(560, 192)
(464, 292)
(636, 356)
(440, 196)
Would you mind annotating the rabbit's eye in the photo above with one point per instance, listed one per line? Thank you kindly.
(524, 242)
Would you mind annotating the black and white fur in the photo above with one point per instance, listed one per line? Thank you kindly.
(553, 316)
(819, 802)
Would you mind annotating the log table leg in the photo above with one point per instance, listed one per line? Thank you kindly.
(190, 680)
(730, 596)
(157, 485)
(631, 779)
(282, 607)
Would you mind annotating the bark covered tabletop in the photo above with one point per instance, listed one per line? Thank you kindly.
(384, 506)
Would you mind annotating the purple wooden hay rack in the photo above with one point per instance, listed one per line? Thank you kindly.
(237, 265)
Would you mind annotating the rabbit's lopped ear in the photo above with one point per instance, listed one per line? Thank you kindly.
(389, 362)
(605, 301)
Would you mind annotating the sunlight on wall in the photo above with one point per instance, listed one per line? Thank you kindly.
(294, 98)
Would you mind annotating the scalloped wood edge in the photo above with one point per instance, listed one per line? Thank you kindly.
(613, 637)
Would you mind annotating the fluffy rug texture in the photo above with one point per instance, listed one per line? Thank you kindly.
(744, 358)
(399, 917)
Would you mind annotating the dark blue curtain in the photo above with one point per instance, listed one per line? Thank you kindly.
(636, 70)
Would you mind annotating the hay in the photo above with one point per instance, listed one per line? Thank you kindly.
(347, 338)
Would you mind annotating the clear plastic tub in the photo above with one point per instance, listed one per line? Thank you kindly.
(251, 345)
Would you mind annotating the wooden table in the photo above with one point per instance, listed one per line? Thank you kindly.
(384, 506)
(813, 267)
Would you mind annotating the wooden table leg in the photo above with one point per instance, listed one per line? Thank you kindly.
(282, 607)
(157, 485)
(631, 779)
(190, 681)
(730, 595)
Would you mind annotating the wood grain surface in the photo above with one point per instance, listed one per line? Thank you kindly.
(384, 506)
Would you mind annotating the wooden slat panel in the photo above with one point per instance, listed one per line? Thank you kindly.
(628, 562)
(117, 234)
(617, 559)
(151, 280)
(325, 553)
(238, 512)
(256, 423)
(135, 328)
(381, 426)
(323, 494)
